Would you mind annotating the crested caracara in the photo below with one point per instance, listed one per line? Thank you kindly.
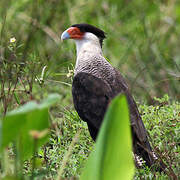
(96, 83)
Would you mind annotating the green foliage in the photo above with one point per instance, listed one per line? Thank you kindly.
(164, 99)
(27, 127)
(109, 160)
(142, 41)
(161, 122)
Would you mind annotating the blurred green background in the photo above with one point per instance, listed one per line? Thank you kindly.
(143, 40)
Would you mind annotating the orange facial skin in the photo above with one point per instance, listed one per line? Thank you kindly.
(75, 33)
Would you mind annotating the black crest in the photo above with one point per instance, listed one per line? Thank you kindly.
(92, 29)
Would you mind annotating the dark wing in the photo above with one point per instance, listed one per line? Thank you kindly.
(141, 144)
(120, 86)
(91, 96)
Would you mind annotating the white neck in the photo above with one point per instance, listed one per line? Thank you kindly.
(88, 49)
(89, 43)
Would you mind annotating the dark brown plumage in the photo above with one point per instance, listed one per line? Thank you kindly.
(91, 97)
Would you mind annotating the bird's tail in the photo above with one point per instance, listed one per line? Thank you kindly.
(150, 158)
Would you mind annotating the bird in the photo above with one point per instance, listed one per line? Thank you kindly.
(96, 82)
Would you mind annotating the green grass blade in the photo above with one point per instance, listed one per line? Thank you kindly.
(112, 158)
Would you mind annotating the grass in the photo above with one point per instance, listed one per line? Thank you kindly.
(142, 42)
(162, 122)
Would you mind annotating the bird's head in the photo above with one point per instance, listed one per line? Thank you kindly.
(83, 32)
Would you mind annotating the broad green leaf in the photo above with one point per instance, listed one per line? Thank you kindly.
(14, 121)
(112, 158)
(17, 124)
(36, 120)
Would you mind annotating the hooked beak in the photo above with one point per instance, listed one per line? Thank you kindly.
(65, 35)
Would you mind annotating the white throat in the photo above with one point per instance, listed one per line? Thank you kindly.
(88, 51)
(89, 43)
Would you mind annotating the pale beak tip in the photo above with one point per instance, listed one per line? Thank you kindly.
(65, 35)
